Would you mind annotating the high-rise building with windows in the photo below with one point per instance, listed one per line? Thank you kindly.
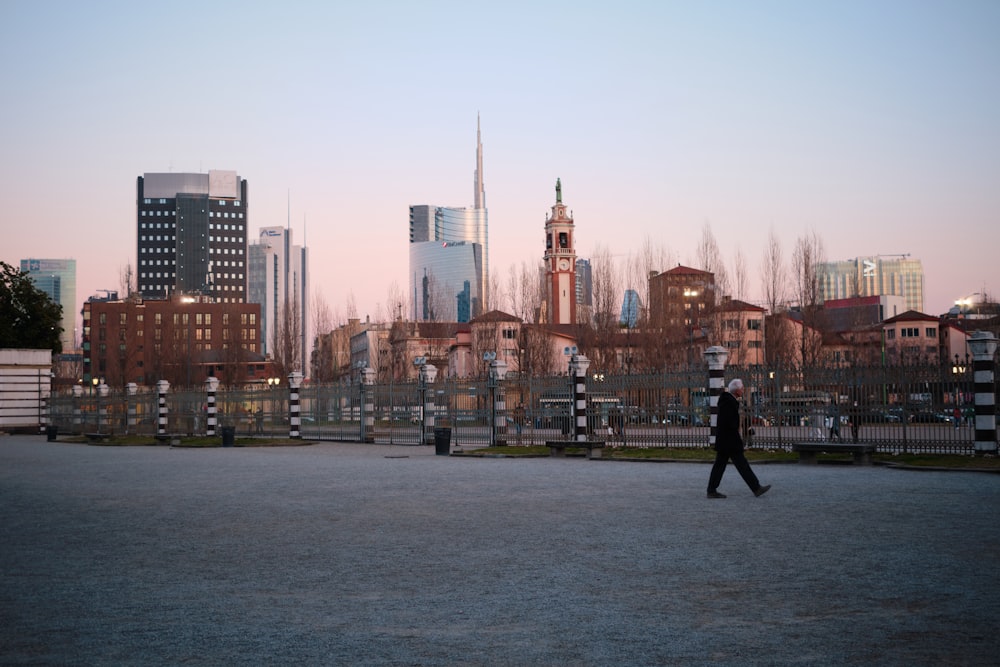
(879, 275)
(278, 281)
(449, 265)
(192, 235)
(57, 278)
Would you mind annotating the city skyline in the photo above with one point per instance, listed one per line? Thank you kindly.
(871, 125)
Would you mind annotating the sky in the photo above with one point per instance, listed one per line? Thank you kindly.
(871, 123)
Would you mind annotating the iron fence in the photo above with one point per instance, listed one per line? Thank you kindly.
(897, 408)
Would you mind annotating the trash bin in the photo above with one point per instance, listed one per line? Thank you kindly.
(51, 433)
(442, 441)
(228, 436)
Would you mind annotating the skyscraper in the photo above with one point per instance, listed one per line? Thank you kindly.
(278, 281)
(874, 276)
(449, 265)
(57, 278)
(192, 235)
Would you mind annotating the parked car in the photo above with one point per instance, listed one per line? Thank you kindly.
(928, 417)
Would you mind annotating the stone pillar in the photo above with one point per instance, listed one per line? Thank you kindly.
(578, 365)
(211, 384)
(130, 390)
(716, 357)
(984, 346)
(368, 404)
(162, 387)
(294, 418)
(498, 371)
(77, 410)
(428, 373)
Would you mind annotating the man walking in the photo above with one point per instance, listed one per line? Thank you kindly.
(729, 444)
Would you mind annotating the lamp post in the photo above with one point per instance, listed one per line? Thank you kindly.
(272, 384)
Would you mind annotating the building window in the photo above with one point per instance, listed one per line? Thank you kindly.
(931, 332)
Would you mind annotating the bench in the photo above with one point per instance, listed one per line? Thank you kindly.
(97, 437)
(808, 450)
(168, 439)
(557, 448)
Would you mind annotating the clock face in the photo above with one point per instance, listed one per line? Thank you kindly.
(563, 264)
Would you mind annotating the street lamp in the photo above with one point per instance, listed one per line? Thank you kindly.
(272, 384)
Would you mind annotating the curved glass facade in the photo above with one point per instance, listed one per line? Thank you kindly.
(445, 280)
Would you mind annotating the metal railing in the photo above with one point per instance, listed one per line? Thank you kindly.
(897, 408)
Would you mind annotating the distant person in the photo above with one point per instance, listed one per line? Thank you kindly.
(958, 416)
(855, 422)
(835, 423)
(729, 444)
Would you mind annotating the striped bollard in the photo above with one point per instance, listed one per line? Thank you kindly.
(130, 421)
(428, 373)
(368, 403)
(984, 346)
(211, 384)
(43, 411)
(716, 357)
(161, 406)
(77, 410)
(578, 365)
(498, 371)
(295, 419)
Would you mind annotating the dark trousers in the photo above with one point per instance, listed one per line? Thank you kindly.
(722, 457)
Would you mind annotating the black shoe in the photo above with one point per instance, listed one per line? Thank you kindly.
(716, 494)
(761, 490)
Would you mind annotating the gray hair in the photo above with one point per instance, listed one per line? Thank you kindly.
(735, 384)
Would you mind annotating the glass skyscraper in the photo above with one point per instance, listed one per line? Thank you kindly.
(449, 266)
(57, 278)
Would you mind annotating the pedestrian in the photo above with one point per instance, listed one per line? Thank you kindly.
(729, 444)
(835, 423)
(260, 420)
(958, 416)
(855, 422)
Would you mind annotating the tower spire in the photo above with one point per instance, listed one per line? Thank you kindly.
(480, 194)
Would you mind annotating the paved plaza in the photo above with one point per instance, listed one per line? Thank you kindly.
(347, 554)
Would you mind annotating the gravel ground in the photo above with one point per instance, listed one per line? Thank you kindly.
(337, 554)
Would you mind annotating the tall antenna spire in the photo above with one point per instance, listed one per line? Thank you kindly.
(480, 195)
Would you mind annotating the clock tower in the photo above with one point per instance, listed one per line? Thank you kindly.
(560, 263)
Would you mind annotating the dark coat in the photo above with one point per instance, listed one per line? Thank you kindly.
(727, 432)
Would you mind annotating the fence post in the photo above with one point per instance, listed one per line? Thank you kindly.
(161, 399)
(578, 365)
(130, 390)
(984, 347)
(498, 371)
(211, 384)
(716, 357)
(77, 409)
(294, 420)
(368, 404)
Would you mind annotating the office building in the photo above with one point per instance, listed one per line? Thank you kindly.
(192, 235)
(278, 281)
(57, 278)
(449, 265)
(879, 275)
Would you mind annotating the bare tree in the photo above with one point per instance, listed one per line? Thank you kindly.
(286, 336)
(772, 275)
(806, 260)
(739, 275)
(126, 280)
(608, 293)
(710, 259)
